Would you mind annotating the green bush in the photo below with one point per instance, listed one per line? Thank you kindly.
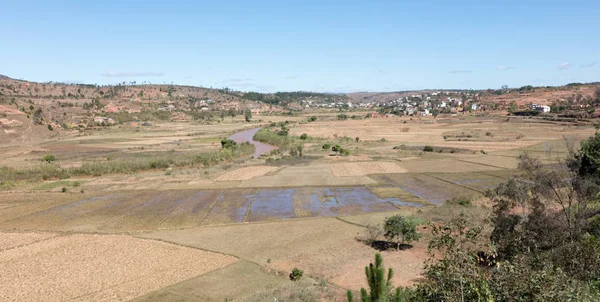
(428, 149)
(312, 118)
(326, 146)
(461, 201)
(49, 158)
(296, 274)
(401, 229)
(304, 136)
(64, 190)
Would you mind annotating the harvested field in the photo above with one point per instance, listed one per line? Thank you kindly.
(246, 173)
(475, 181)
(98, 268)
(13, 240)
(309, 175)
(427, 187)
(237, 280)
(364, 168)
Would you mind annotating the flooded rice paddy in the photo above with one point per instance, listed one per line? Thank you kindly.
(151, 210)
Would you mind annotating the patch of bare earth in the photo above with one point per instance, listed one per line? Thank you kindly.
(246, 173)
(344, 265)
(364, 168)
(97, 267)
(11, 240)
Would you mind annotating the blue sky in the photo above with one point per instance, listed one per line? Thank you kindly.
(330, 46)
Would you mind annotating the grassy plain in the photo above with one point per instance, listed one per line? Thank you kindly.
(246, 222)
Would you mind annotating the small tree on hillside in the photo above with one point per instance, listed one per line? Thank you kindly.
(401, 229)
(232, 112)
(248, 115)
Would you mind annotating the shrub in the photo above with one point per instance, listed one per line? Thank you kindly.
(64, 190)
(401, 229)
(312, 118)
(383, 140)
(357, 139)
(50, 127)
(344, 152)
(342, 117)
(227, 144)
(428, 149)
(304, 136)
(296, 274)
(49, 158)
(461, 201)
(326, 146)
(482, 152)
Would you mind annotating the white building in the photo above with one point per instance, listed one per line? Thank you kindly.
(541, 108)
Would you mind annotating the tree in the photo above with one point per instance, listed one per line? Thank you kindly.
(357, 139)
(232, 112)
(248, 115)
(401, 229)
(452, 267)
(49, 158)
(380, 286)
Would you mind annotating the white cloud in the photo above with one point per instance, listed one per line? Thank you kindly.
(502, 67)
(564, 65)
(589, 65)
(114, 74)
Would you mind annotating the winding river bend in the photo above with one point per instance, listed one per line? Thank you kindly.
(247, 136)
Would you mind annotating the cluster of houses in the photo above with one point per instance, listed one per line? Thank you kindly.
(424, 104)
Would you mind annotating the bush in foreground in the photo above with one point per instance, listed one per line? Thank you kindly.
(296, 274)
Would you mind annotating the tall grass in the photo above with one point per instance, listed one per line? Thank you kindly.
(124, 166)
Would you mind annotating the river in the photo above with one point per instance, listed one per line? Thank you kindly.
(246, 136)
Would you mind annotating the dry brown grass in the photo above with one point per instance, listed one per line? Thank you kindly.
(364, 168)
(13, 240)
(246, 173)
(98, 268)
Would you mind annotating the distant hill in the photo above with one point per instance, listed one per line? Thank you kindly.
(521, 96)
